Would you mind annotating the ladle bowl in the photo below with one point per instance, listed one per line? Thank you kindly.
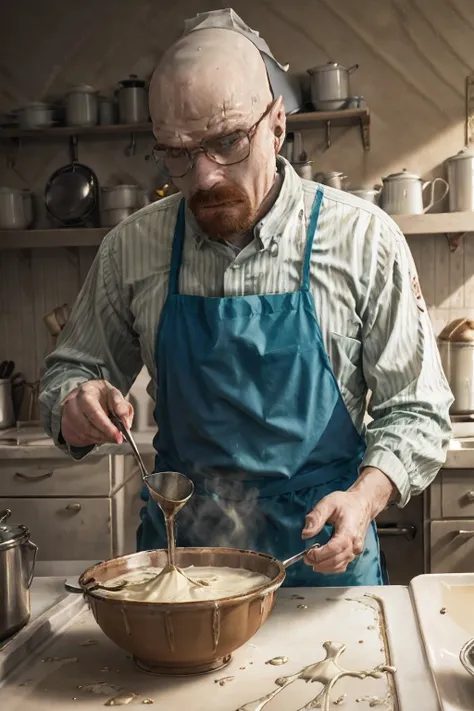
(183, 637)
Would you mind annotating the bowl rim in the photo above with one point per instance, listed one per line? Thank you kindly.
(87, 576)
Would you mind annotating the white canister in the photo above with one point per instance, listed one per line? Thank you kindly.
(370, 194)
(402, 193)
(81, 106)
(461, 181)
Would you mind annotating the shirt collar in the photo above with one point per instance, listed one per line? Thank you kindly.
(278, 219)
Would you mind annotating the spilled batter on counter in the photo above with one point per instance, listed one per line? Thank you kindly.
(172, 584)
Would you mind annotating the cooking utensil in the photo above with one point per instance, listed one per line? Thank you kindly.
(370, 194)
(111, 218)
(107, 111)
(132, 100)
(402, 193)
(71, 194)
(17, 563)
(36, 115)
(461, 181)
(456, 348)
(299, 556)
(333, 179)
(81, 106)
(16, 209)
(304, 169)
(330, 85)
(115, 197)
(466, 657)
(186, 637)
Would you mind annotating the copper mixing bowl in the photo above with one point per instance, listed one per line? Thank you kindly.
(183, 637)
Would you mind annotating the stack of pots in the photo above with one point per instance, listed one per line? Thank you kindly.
(119, 202)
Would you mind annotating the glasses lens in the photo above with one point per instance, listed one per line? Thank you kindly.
(230, 149)
(175, 162)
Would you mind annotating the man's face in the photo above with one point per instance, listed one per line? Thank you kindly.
(227, 173)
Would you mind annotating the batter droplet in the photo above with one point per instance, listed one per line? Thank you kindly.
(277, 661)
(302, 607)
(148, 701)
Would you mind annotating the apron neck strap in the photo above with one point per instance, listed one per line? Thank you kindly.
(313, 223)
(177, 249)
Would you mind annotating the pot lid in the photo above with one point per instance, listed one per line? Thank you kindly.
(10, 534)
(83, 89)
(461, 330)
(328, 67)
(467, 152)
(404, 175)
(132, 81)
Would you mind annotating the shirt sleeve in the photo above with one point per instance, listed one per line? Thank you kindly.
(97, 343)
(410, 399)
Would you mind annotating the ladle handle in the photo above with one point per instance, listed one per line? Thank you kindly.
(129, 437)
(299, 556)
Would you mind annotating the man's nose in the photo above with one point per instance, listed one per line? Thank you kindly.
(205, 172)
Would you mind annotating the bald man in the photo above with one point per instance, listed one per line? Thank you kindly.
(264, 308)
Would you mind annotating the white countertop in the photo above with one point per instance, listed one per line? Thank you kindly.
(72, 671)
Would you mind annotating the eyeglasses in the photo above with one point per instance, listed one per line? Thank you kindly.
(228, 149)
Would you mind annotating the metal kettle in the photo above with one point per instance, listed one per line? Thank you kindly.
(17, 564)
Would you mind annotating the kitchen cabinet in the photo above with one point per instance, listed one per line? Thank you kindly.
(401, 534)
(77, 512)
(451, 522)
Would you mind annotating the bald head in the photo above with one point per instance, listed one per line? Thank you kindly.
(210, 80)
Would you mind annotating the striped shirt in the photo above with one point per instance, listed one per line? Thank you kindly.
(375, 326)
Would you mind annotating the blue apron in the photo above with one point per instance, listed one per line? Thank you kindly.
(249, 408)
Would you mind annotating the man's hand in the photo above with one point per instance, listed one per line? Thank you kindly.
(350, 512)
(85, 419)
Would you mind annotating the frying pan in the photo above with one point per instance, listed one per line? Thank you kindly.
(71, 193)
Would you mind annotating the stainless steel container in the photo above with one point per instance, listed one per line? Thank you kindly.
(82, 106)
(107, 111)
(17, 563)
(304, 169)
(456, 347)
(7, 413)
(332, 179)
(370, 194)
(36, 115)
(110, 218)
(461, 181)
(330, 86)
(16, 209)
(132, 101)
(115, 197)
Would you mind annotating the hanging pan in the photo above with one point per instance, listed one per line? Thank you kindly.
(71, 194)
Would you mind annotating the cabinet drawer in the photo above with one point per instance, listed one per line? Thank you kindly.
(50, 477)
(452, 547)
(65, 529)
(457, 493)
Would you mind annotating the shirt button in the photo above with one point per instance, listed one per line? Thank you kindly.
(236, 266)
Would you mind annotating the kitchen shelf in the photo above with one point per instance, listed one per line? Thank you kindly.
(449, 223)
(436, 223)
(329, 119)
(64, 131)
(71, 237)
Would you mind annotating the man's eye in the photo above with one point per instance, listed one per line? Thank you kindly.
(226, 143)
(175, 153)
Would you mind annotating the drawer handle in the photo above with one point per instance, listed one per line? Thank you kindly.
(39, 477)
(393, 530)
(73, 507)
(466, 534)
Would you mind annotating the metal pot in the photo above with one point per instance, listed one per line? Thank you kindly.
(36, 115)
(7, 413)
(456, 347)
(17, 563)
(107, 111)
(461, 181)
(370, 194)
(117, 196)
(304, 169)
(81, 106)
(333, 179)
(110, 218)
(330, 86)
(16, 209)
(132, 100)
(402, 193)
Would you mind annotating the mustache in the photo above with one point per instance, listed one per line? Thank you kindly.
(217, 196)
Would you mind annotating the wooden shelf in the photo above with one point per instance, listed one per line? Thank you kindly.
(435, 223)
(35, 239)
(329, 119)
(65, 131)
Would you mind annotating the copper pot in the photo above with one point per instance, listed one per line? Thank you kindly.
(183, 637)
